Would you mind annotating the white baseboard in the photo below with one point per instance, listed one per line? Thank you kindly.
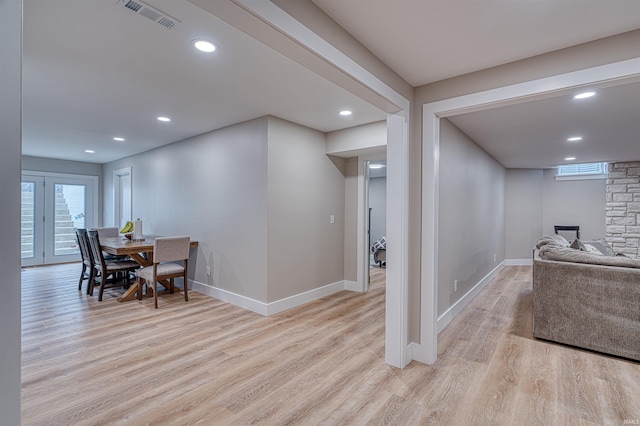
(271, 308)
(457, 307)
(302, 298)
(352, 286)
(230, 297)
(519, 262)
(423, 354)
(409, 353)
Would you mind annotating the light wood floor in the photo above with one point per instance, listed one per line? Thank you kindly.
(86, 362)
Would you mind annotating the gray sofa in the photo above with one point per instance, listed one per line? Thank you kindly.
(586, 300)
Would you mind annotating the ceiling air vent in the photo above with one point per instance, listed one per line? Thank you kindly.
(149, 12)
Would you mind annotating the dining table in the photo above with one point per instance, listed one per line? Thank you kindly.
(139, 250)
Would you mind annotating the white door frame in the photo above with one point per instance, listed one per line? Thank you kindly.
(615, 73)
(117, 176)
(362, 250)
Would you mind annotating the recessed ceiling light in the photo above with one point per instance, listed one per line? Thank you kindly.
(204, 45)
(345, 113)
(569, 158)
(574, 139)
(118, 139)
(89, 151)
(584, 95)
(376, 166)
(164, 119)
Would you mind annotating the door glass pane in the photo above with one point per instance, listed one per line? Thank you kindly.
(70, 202)
(28, 210)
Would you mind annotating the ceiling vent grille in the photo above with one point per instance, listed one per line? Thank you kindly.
(149, 12)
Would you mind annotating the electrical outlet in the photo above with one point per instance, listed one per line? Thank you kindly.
(208, 271)
(332, 219)
(494, 257)
(455, 285)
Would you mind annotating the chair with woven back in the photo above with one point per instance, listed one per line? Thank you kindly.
(88, 271)
(166, 251)
(110, 270)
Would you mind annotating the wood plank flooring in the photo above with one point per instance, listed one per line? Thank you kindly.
(207, 362)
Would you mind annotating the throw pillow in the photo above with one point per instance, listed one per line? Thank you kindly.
(602, 245)
(577, 245)
(591, 249)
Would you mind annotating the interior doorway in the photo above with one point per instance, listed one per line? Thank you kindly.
(377, 217)
(122, 206)
(372, 218)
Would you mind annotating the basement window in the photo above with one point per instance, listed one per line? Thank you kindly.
(582, 171)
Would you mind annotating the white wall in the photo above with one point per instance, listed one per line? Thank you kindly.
(351, 219)
(212, 187)
(360, 140)
(305, 187)
(257, 196)
(524, 198)
(38, 164)
(10, 146)
(471, 215)
(574, 202)
(536, 202)
(378, 204)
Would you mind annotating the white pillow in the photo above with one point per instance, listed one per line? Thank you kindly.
(591, 249)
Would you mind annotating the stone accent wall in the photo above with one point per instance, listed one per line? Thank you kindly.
(623, 208)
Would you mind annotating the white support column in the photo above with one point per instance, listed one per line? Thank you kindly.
(397, 296)
(10, 175)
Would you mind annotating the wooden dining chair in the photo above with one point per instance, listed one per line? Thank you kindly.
(107, 232)
(87, 260)
(110, 232)
(112, 272)
(166, 251)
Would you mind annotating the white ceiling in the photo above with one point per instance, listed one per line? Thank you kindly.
(534, 134)
(93, 70)
(443, 39)
(430, 40)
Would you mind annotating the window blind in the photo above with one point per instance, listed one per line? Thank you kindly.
(582, 169)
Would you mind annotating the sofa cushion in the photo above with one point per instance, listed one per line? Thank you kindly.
(567, 254)
(602, 245)
(589, 248)
(577, 245)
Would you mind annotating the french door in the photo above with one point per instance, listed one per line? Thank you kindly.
(53, 205)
